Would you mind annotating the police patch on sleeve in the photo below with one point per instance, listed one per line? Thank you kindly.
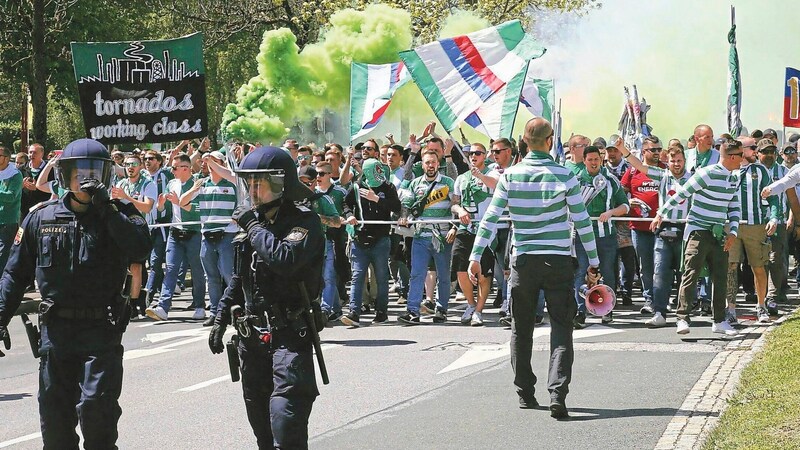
(18, 237)
(297, 234)
(137, 219)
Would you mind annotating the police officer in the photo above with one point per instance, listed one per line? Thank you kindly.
(78, 248)
(279, 254)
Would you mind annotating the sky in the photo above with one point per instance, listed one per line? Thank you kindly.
(676, 52)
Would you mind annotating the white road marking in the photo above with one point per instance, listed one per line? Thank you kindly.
(483, 353)
(142, 352)
(27, 437)
(208, 383)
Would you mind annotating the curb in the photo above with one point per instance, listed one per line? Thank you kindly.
(708, 398)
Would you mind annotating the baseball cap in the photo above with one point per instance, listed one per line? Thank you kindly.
(599, 143)
(216, 154)
(307, 171)
(718, 142)
(794, 138)
(770, 132)
(789, 149)
(764, 144)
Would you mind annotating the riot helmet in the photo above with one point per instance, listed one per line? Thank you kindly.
(269, 173)
(83, 160)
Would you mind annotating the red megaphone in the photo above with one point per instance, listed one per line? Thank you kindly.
(600, 299)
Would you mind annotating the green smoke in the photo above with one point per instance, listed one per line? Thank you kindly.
(292, 85)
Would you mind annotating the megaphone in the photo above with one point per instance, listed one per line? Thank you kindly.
(600, 299)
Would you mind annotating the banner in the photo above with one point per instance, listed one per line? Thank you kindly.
(142, 91)
(791, 98)
(458, 75)
(734, 82)
(371, 89)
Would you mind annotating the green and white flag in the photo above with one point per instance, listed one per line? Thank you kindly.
(734, 83)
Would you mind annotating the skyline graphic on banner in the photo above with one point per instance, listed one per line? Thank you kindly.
(139, 68)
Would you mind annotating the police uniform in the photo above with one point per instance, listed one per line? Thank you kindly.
(80, 263)
(277, 377)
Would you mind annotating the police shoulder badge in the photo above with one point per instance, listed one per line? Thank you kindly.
(297, 234)
(18, 237)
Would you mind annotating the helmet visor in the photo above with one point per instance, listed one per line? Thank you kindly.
(70, 173)
(263, 186)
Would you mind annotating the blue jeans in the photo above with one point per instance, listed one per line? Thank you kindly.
(645, 244)
(607, 252)
(668, 256)
(217, 260)
(330, 292)
(421, 253)
(157, 258)
(178, 253)
(378, 256)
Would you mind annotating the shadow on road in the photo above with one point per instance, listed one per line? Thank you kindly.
(601, 413)
(370, 342)
(12, 397)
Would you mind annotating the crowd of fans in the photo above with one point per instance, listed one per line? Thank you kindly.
(404, 217)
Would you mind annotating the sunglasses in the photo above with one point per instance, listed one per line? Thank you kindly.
(477, 153)
(304, 157)
(150, 158)
(499, 150)
(655, 149)
(131, 164)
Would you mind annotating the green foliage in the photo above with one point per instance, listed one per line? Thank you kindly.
(9, 132)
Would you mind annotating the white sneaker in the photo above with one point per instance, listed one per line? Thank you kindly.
(199, 314)
(657, 321)
(723, 328)
(683, 327)
(730, 316)
(177, 290)
(477, 320)
(460, 296)
(156, 313)
(467, 316)
(762, 314)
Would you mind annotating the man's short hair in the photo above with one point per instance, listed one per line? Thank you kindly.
(304, 148)
(730, 144)
(479, 145)
(591, 149)
(436, 140)
(431, 152)
(600, 143)
(503, 142)
(135, 156)
(182, 157)
(155, 155)
(675, 150)
(653, 139)
(324, 165)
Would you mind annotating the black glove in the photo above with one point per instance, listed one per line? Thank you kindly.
(245, 217)
(99, 194)
(6, 338)
(215, 338)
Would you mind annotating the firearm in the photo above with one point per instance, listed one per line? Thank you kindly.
(312, 329)
(34, 336)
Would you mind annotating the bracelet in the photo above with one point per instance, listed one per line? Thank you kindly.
(448, 156)
(628, 155)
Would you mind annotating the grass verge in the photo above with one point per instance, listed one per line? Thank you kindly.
(764, 413)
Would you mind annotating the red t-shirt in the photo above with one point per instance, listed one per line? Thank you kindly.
(642, 187)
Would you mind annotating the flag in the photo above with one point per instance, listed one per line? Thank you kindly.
(791, 98)
(734, 83)
(371, 89)
(495, 118)
(538, 96)
(458, 75)
(557, 151)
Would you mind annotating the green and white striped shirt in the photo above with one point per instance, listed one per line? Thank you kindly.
(542, 198)
(778, 171)
(475, 198)
(438, 203)
(217, 202)
(667, 186)
(179, 214)
(754, 210)
(714, 192)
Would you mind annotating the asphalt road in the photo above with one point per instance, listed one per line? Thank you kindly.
(393, 386)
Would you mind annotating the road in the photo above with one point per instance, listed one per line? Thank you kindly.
(393, 386)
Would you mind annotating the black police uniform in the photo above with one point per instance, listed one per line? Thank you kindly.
(278, 381)
(80, 262)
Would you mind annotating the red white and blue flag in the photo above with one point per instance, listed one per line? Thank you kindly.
(371, 89)
(478, 75)
(791, 98)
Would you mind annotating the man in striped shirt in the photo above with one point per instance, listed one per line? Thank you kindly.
(759, 220)
(714, 194)
(160, 214)
(543, 199)
(668, 251)
(428, 197)
(216, 197)
(778, 258)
